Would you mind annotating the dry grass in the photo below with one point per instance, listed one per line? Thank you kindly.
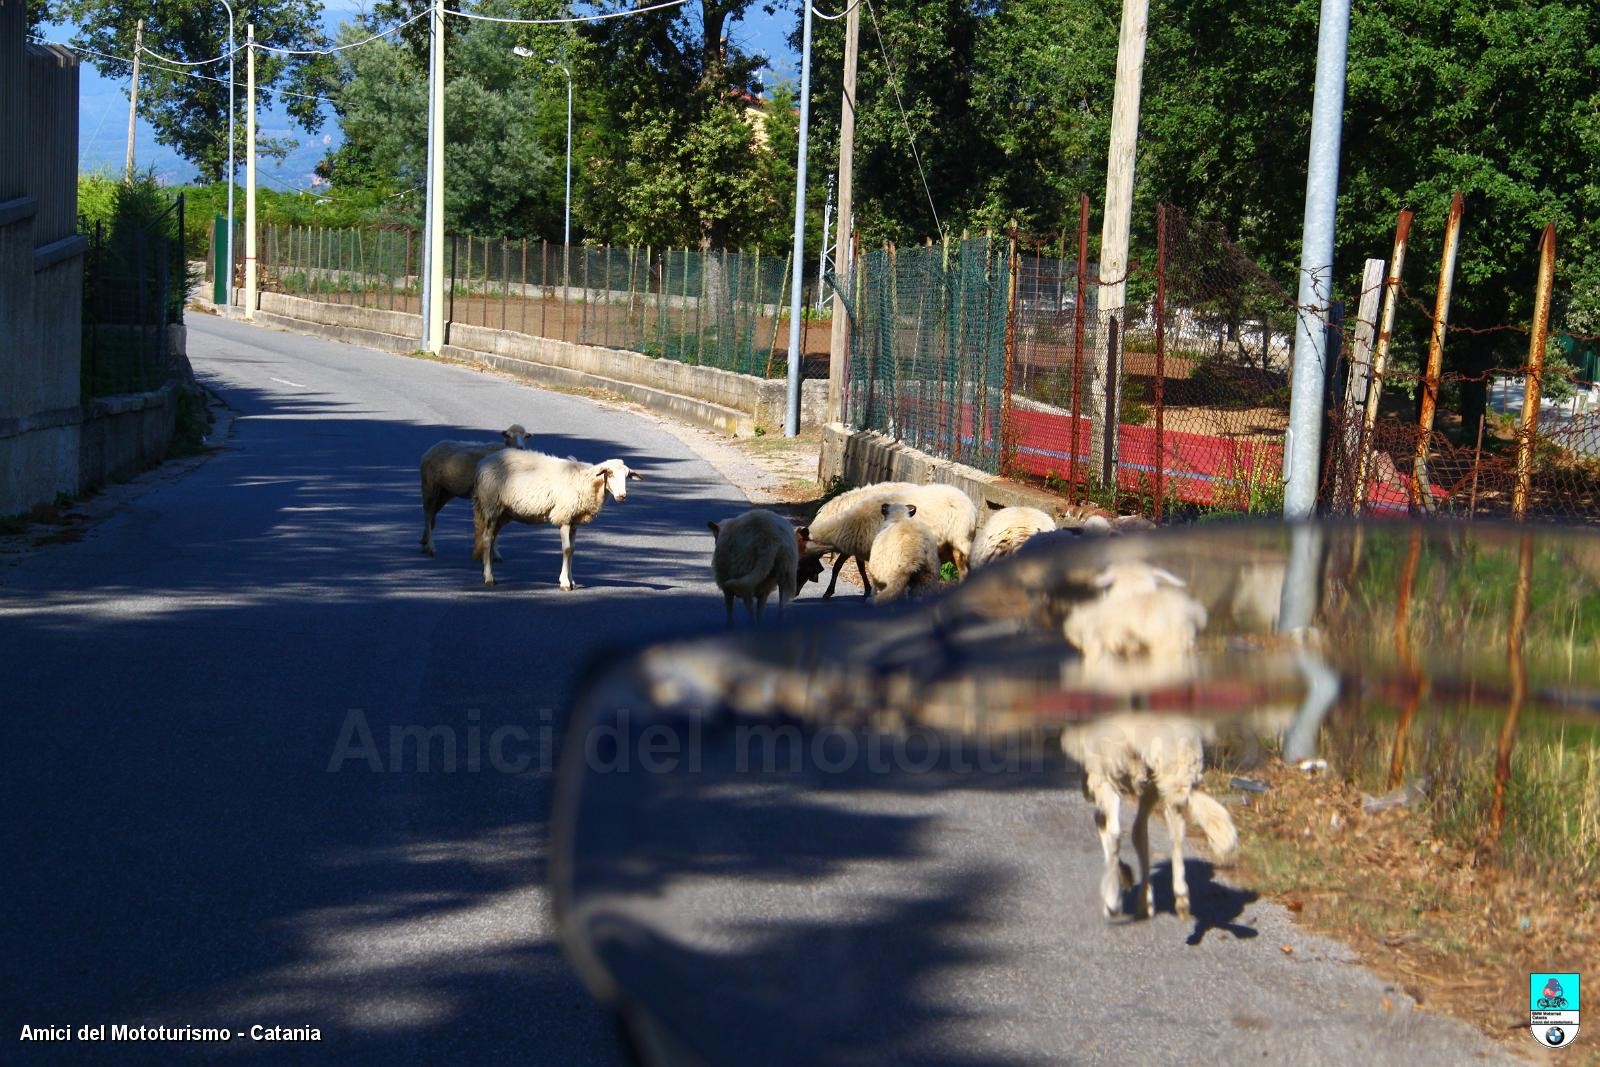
(1459, 924)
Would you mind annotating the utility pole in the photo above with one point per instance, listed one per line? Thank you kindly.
(133, 95)
(433, 214)
(843, 246)
(791, 420)
(1303, 443)
(250, 172)
(1105, 389)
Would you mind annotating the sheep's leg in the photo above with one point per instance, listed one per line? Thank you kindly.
(490, 535)
(569, 533)
(1176, 828)
(727, 599)
(959, 558)
(866, 586)
(833, 580)
(430, 511)
(755, 605)
(1141, 847)
(1108, 818)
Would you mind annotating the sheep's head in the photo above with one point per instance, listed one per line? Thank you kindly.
(612, 476)
(1134, 576)
(891, 512)
(515, 436)
(811, 552)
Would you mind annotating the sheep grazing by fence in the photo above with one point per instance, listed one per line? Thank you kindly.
(848, 524)
(904, 559)
(535, 488)
(449, 470)
(1149, 759)
(1007, 530)
(755, 553)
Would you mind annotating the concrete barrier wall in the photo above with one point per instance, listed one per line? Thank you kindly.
(123, 435)
(719, 399)
(861, 457)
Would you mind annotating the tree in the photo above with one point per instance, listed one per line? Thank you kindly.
(188, 106)
(500, 176)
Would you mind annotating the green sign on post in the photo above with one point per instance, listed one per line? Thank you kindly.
(220, 272)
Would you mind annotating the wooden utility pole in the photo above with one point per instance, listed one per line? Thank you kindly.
(133, 94)
(1104, 386)
(843, 260)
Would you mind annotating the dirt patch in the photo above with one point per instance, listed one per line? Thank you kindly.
(1456, 929)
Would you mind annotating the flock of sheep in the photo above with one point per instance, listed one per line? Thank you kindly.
(901, 534)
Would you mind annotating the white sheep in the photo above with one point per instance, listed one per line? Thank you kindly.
(904, 558)
(448, 471)
(1008, 530)
(1149, 759)
(848, 524)
(535, 488)
(755, 553)
(1142, 617)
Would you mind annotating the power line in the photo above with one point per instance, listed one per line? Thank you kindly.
(835, 18)
(343, 47)
(893, 87)
(565, 21)
(171, 70)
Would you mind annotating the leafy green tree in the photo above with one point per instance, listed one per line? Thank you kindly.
(190, 113)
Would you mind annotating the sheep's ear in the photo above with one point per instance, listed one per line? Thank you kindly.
(1168, 577)
(1104, 579)
(600, 475)
(884, 511)
(804, 532)
(635, 475)
(715, 530)
(911, 511)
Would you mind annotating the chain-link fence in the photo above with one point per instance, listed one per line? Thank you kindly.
(721, 309)
(986, 351)
(928, 349)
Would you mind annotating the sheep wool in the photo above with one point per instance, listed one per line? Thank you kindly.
(755, 553)
(904, 559)
(1008, 530)
(535, 488)
(449, 469)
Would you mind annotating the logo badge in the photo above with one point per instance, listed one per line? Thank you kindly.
(1553, 1000)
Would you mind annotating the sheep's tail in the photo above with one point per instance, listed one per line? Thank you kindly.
(745, 584)
(1217, 824)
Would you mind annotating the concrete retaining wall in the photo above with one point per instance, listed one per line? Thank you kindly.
(122, 435)
(718, 399)
(861, 457)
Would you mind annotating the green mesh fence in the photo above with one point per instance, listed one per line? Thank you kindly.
(928, 348)
(720, 309)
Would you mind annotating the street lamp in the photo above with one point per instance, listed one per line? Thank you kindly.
(230, 151)
(566, 232)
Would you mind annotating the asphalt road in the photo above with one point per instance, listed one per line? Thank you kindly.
(190, 844)
(177, 684)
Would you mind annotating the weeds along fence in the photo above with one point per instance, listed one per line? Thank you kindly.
(718, 309)
(135, 284)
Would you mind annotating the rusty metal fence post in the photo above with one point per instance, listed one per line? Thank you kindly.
(1538, 339)
(1108, 461)
(1421, 488)
(1161, 359)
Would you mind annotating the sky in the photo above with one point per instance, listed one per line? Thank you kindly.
(103, 109)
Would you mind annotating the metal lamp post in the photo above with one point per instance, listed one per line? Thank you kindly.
(230, 151)
(566, 229)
